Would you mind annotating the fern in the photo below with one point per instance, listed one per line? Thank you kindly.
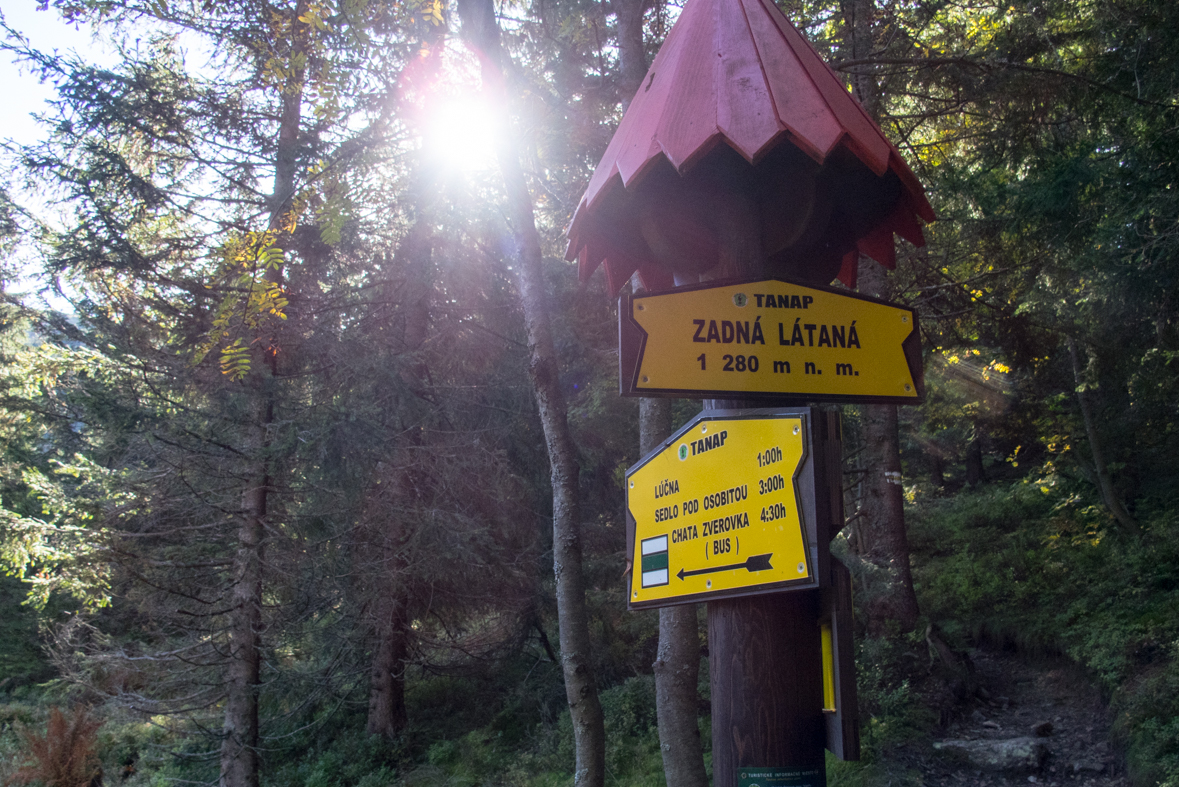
(65, 755)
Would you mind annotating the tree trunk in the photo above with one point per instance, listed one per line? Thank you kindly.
(765, 665)
(974, 463)
(240, 732)
(858, 40)
(1109, 496)
(386, 699)
(677, 662)
(882, 515)
(937, 467)
(767, 684)
(239, 743)
(632, 55)
(481, 29)
(387, 714)
(882, 512)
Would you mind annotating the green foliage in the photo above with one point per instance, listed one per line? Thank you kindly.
(1045, 133)
(545, 756)
(354, 760)
(21, 658)
(1147, 722)
(1031, 564)
(893, 713)
(254, 297)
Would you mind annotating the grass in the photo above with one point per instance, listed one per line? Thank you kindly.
(1038, 567)
(1025, 564)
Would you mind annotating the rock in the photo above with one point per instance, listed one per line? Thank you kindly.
(1009, 754)
(1086, 766)
(977, 716)
(982, 693)
(1043, 729)
(994, 725)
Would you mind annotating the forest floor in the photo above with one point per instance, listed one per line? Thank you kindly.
(1050, 705)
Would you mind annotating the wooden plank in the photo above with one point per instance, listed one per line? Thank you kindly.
(919, 203)
(903, 221)
(619, 267)
(798, 104)
(847, 111)
(843, 725)
(655, 278)
(745, 111)
(687, 125)
(879, 245)
(641, 142)
(735, 71)
(607, 170)
(765, 664)
(849, 269)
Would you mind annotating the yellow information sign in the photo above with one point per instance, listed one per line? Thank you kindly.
(716, 511)
(770, 337)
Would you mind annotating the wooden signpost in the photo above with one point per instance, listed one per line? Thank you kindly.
(744, 171)
(730, 505)
(740, 503)
(766, 338)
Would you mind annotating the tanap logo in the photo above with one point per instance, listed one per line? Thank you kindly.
(683, 452)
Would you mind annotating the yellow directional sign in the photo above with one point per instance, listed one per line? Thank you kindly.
(769, 338)
(716, 511)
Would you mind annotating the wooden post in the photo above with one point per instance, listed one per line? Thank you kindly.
(764, 652)
(766, 675)
(767, 688)
(743, 155)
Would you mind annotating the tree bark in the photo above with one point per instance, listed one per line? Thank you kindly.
(765, 665)
(387, 715)
(386, 699)
(240, 731)
(239, 743)
(677, 662)
(882, 515)
(632, 55)
(1109, 496)
(859, 40)
(482, 30)
(974, 463)
(937, 467)
(882, 512)
(767, 683)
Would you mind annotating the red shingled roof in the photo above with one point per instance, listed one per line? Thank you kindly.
(737, 71)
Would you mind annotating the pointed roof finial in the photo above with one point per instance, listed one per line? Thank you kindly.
(737, 73)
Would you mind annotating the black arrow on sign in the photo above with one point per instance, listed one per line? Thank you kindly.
(755, 563)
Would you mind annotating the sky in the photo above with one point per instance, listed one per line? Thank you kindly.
(23, 94)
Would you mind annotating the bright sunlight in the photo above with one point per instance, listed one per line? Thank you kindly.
(460, 129)
(461, 133)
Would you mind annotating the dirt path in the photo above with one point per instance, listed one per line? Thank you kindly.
(1049, 704)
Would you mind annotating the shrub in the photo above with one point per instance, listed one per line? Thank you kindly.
(65, 756)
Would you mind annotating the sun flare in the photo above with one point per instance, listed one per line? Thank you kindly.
(461, 133)
(459, 128)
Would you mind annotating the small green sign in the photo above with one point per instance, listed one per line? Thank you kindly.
(782, 777)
